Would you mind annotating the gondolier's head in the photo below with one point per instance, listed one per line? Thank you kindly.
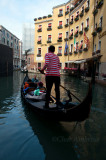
(52, 49)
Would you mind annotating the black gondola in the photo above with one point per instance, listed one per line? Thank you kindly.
(70, 111)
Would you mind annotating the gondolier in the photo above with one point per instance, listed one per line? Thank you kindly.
(52, 66)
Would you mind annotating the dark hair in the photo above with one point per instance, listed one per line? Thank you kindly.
(40, 84)
(52, 48)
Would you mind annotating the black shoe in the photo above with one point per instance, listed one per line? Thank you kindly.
(59, 105)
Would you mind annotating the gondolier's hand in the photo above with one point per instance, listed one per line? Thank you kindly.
(41, 71)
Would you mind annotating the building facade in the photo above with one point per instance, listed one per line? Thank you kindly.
(77, 30)
(10, 40)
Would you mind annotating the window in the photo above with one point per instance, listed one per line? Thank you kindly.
(60, 23)
(67, 35)
(77, 46)
(60, 65)
(60, 36)
(7, 43)
(77, 14)
(39, 51)
(101, 21)
(99, 45)
(71, 48)
(82, 26)
(96, 26)
(77, 28)
(95, 48)
(49, 25)
(67, 8)
(83, 9)
(87, 22)
(72, 17)
(40, 27)
(88, 3)
(81, 45)
(71, 33)
(67, 21)
(7, 35)
(60, 49)
(39, 38)
(60, 11)
(49, 37)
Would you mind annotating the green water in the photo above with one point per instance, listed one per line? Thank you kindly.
(24, 136)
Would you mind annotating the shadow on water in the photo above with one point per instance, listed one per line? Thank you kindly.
(52, 136)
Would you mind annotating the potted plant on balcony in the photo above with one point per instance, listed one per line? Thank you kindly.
(100, 3)
(95, 11)
(81, 14)
(86, 29)
(70, 53)
(71, 22)
(76, 34)
(99, 29)
(66, 39)
(59, 40)
(39, 42)
(59, 54)
(71, 9)
(60, 15)
(39, 18)
(85, 49)
(94, 33)
(39, 30)
(49, 29)
(38, 55)
(80, 50)
(35, 19)
(49, 15)
(66, 25)
(65, 54)
(49, 41)
(60, 27)
(86, 9)
(98, 51)
(81, 32)
(44, 17)
(75, 52)
(76, 18)
(66, 12)
(71, 37)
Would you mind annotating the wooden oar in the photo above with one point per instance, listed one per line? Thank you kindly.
(70, 93)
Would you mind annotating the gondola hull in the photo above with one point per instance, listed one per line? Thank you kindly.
(70, 112)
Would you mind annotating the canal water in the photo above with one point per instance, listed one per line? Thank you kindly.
(24, 136)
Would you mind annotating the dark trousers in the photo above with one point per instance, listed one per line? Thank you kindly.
(49, 83)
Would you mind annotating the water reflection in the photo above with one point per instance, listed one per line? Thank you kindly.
(27, 136)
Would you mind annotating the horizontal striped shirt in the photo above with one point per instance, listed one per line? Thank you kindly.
(52, 64)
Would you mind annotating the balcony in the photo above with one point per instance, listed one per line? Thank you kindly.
(76, 34)
(71, 9)
(80, 32)
(60, 27)
(71, 22)
(75, 52)
(98, 51)
(59, 40)
(81, 14)
(70, 53)
(65, 39)
(66, 12)
(94, 33)
(85, 49)
(66, 54)
(76, 18)
(66, 25)
(99, 29)
(60, 15)
(38, 55)
(95, 11)
(59, 54)
(100, 3)
(49, 41)
(39, 42)
(86, 9)
(49, 29)
(86, 29)
(71, 37)
(39, 18)
(39, 30)
(81, 50)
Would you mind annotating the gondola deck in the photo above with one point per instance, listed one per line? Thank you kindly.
(67, 112)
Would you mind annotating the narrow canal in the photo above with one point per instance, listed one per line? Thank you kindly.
(25, 136)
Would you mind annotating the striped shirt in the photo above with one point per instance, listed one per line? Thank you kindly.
(52, 64)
